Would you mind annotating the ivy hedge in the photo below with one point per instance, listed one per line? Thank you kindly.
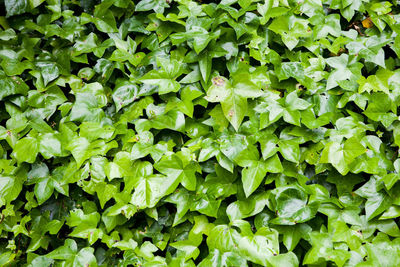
(199, 133)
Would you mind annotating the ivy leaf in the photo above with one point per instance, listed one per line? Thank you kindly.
(290, 150)
(323, 240)
(156, 5)
(87, 108)
(291, 28)
(12, 86)
(216, 258)
(377, 201)
(370, 49)
(181, 170)
(182, 199)
(376, 83)
(124, 94)
(16, 7)
(26, 149)
(381, 251)
(292, 206)
(346, 69)
(150, 190)
(253, 175)
(11, 186)
(379, 109)
(65, 252)
(255, 172)
(232, 97)
(341, 155)
(165, 77)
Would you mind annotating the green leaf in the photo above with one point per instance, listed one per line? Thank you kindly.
(346, 70)
(11, 186)
(156, 5)
(50, 145)
(290, 150)
(16, 7)
(125, 245)
(217, 258)
(124, 94)
(293, 234)
(290, 28)
(381, 251)
(26, 150)
(258, 247)
(85, 257)
(44, 189)
(87, 108)
(82, 149)
(377, 201)
(292, 206)
(12, 86)
(378, 109)
(181, 170)
(341, 155)
(165, 77)
(247, 207)
(165, 83)
(322, 248)
(253, 175)
(65, 252)
(232, 97)
(150, 190)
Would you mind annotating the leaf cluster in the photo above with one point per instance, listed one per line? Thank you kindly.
(199, 133)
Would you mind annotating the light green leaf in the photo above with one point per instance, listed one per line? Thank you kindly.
(341, 155)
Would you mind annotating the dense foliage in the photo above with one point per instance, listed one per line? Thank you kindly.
(183, 133)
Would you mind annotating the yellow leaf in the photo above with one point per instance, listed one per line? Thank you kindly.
(367, 23)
